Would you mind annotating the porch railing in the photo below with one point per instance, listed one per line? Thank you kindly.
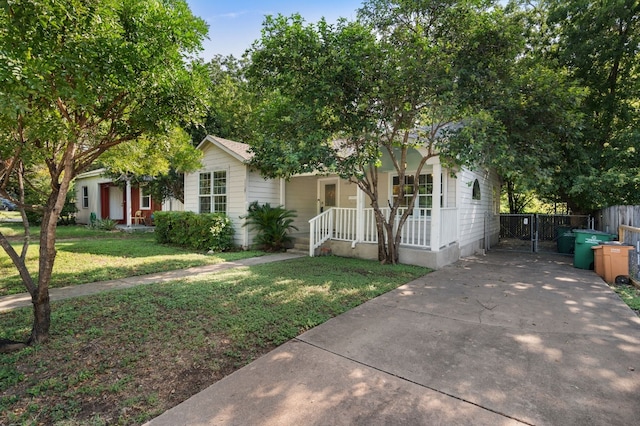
(320, 230)
(342, 224)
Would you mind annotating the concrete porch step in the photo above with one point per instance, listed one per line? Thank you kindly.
(301, 242)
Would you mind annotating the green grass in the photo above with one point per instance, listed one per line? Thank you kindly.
(630, 295)
(124, 357)
(6, 215)
(85, 256)
(16, 230)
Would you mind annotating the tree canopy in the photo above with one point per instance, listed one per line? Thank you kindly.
(598, 44)
(228, 101)
(78, 78)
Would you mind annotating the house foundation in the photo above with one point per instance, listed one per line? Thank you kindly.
(408, 255)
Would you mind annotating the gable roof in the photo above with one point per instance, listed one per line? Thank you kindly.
(238, 150)
(91, 173)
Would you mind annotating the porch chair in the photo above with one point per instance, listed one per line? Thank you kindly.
(139, 217)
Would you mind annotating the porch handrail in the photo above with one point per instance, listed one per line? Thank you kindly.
(340, 223)
(320, 230)
(416, 230)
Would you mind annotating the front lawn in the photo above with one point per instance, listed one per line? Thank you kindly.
(86, 255)
(124, 357)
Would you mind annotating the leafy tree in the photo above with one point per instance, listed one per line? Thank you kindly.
(564, 123)
(598, 43)
(336, 97)
(159, 163)
(78, 78)
(530, 119)
(228, 101)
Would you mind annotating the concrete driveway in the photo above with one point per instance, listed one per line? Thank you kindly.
(503, 339)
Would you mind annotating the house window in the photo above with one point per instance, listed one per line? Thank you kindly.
(213, 192)
(424, 199)
(476, 190)
(85, 197)
(145, 200)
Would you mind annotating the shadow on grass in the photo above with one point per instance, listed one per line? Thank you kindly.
(172, 340)
(75, 266)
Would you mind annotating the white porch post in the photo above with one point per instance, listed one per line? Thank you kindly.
(435, 205)
(128, 209)
(283, 200)
(359, 216)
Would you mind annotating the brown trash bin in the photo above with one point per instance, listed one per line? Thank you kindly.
(615, 261)
(598, 260)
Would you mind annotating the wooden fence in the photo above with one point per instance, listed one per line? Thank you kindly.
(631, 236)
(609, 219)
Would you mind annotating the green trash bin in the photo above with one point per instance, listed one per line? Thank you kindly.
(566, 242)
(585, 239)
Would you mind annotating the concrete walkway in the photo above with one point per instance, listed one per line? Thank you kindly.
(504, 339)
(24, 299)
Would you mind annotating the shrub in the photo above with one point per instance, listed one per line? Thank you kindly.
(272, 225)
(210, 231)
(107, 224)
(222, 233)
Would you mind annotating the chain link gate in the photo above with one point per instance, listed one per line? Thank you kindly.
(536, 233)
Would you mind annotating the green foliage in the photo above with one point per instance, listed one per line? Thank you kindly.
(69, 210)
(222, 233)
(159, 163)
(78, 78)
(228, 102)
(630, 295)
(211, 231)
(272, 225)
(598, 45)
(106, 224)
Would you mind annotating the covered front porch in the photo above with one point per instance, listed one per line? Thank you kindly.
(345, 223)
(352, 233)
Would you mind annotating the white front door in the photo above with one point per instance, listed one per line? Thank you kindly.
(116, 203)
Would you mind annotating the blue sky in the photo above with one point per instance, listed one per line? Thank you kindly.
(234, 25)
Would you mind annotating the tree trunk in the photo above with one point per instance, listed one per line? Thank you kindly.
(393, 248)
(382, 248)
(47, 252)
(388, 252)
(40, 298)
(41, 317)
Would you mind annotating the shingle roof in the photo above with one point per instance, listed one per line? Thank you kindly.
(241, 150)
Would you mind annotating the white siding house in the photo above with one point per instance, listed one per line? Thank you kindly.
(453, 216)
(479, 212)
(226, 184)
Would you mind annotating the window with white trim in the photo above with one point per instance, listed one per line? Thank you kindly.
(424, 200)
(145, 200)
(213, 192)
(85, 197)
(475, 192)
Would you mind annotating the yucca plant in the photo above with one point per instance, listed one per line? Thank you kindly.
(272, 225)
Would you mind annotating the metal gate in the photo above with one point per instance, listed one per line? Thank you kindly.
(537, 232)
